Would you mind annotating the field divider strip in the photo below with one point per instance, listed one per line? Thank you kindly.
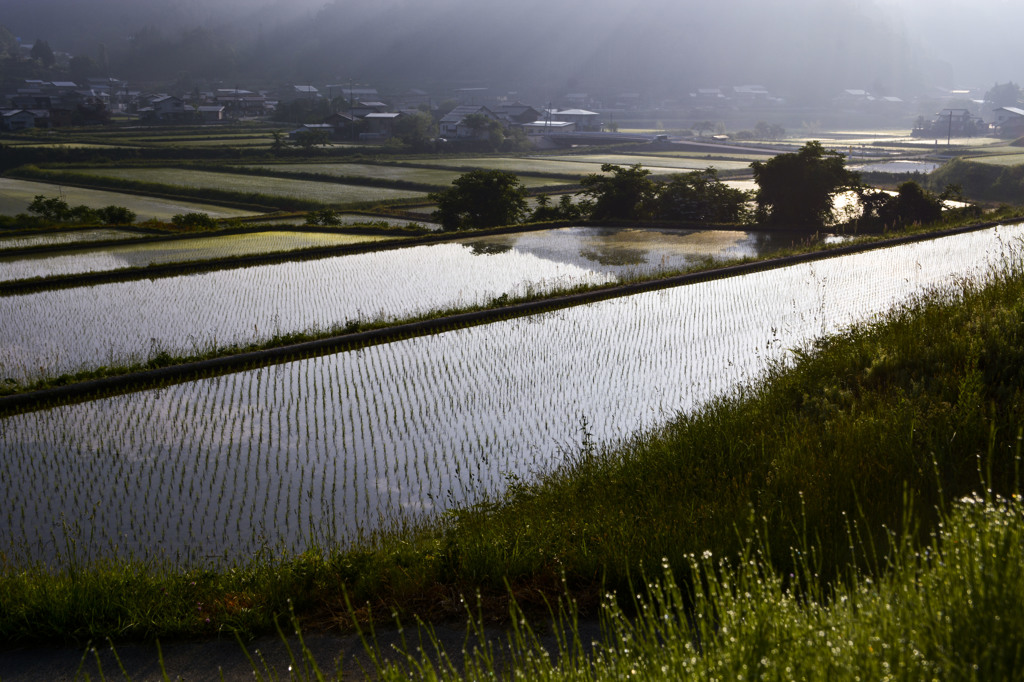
(200, 369)
(164, 237)
(397, 238)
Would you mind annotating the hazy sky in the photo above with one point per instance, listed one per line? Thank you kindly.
(980, 40)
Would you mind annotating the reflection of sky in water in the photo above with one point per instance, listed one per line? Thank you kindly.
(626, 251)
(897, 167)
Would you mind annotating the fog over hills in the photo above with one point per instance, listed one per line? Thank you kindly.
(803, 49)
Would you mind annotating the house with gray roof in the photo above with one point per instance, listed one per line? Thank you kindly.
(453, 125)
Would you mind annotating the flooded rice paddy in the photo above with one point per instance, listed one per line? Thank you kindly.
(175, 251)
(57, 237)
(53, 332)
(264, 460)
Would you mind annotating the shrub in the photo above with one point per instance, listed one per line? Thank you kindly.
(116, 215)
(194, 221)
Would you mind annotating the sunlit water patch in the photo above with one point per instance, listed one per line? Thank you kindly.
(897, 167)
(636, 251)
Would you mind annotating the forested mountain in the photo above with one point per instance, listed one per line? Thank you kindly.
(804, 49)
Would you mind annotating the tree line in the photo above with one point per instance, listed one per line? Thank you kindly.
(795, 191)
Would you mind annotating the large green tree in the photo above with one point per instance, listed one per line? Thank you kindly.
(481, 198)
(911, 204)
(42, 53)
(417, 130)
(699, 196)
(621, 192)
(797, 190)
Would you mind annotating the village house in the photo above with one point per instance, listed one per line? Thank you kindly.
(342, 125)
(516, 114)
(353, 94)
(305, 91)
(708, 96)
(587, 121)
(950, 122)
(379, 125)
(13, 120)
(363, 109)
(241, 103)
(210, 113)
(751, 94)
(541, 128)
(323, 130)
(166, 109)
(453, 125)
(1009, 122)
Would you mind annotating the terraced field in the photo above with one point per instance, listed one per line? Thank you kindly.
(70, 236)
(334, 446)
(16, 195)
(177, 251)
(657, 164)
(426, 176)
(325, 192)
(1001, 159)
(52, 332)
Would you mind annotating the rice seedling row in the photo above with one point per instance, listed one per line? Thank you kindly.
(326, 448)
(24, 241)
(54, 332)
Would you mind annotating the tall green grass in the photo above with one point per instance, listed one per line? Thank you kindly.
(949, 609)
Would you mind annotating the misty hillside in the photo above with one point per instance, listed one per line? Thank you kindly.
(802, 49)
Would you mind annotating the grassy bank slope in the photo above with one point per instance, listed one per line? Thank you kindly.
(876, 426)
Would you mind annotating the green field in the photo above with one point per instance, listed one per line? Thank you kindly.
(426, 176)
(246, 141)
(657, 164)
(16, 195)
(1001, 159)
(68, 145)
(585, 164)
(526, 164)
(326, 192)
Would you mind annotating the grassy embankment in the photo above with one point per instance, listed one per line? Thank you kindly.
(871, 432)
(949, 610)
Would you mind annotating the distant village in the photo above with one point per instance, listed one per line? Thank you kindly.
(347, 112)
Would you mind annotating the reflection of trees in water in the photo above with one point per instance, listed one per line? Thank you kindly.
(605, 246)
(768, 241)
(614, 255)
(489, 248)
